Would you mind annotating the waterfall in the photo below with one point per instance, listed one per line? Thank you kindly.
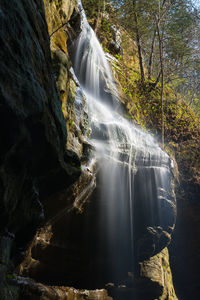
(134, 176)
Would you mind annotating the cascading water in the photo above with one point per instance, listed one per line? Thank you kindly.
(134, 173)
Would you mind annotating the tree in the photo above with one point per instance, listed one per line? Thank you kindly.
(94, 9)
(160, 20)
(167, 34)
(138, 40)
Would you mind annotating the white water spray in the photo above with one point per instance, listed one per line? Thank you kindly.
(131, 164)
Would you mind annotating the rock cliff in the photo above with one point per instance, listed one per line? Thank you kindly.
(34, 160)
(44, 136)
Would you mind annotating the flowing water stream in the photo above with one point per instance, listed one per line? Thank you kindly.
(134, 173)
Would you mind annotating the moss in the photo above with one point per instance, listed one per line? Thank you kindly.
(60, 40)
(182, 125)
(11, 276)
(157, 270)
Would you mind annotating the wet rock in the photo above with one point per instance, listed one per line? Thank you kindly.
(58, 14)
(32, 290)
(157, 270)
(59, 252)
(33, 157)
(36, 166)
(75, 247)
(115, 45)
(63, 22)
(8, 290)
(155, 215)
(184, 249)
(35, 141)
(153, 281)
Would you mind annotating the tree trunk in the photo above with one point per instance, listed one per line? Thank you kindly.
(162, 82)
(151, 56)
(138, 40)
(97, 21)
(154, 84)
(101, 7)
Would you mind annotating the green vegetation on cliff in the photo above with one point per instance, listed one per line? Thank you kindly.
(181, 96)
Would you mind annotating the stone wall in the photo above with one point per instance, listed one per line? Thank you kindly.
(34, 161)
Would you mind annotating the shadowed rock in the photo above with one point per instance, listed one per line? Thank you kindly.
(33, 157)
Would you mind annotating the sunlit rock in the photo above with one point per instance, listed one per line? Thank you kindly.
(124, 206)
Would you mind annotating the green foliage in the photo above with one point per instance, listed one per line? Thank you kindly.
(179, 24)
(182, 124)
(11, 276)
(180, 29)
(92, 6)
(105, 25)
(106, 50)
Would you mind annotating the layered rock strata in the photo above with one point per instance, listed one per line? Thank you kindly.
(34, 161)
(36, 167)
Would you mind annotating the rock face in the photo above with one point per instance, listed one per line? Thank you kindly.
(32, 290)
(34, 161)
(37, 172)
(184, 250)
(67, 250)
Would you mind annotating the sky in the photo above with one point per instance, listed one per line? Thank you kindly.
(196, 3)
